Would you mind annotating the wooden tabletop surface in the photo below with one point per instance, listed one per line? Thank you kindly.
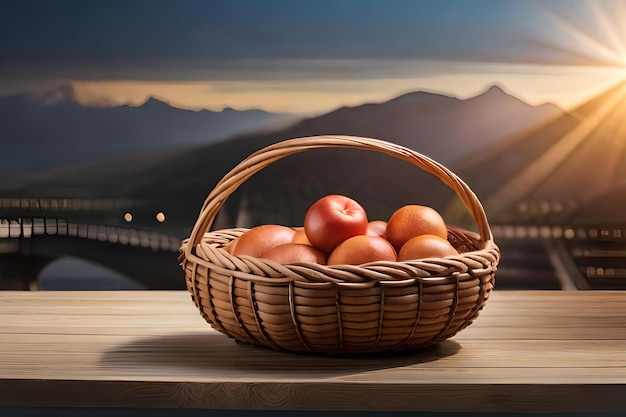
(545, 351)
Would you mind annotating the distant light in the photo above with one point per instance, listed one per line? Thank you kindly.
(160, 217)
(128, 217)
(523, 208)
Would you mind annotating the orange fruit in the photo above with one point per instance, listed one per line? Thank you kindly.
(362, 249)
(377, 228)
(230, 246)
(290, 253)
(414, 220)
(260, 239)
(426, 246)
(300, 236)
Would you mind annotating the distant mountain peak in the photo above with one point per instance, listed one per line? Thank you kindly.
(496, 89)
(420, 97)
(496, 92)
(155, 102)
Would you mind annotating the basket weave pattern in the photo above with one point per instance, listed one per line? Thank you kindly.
(340, 309)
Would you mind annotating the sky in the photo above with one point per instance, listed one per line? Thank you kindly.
(310, 55)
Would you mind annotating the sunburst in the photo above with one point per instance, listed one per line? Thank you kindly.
(599, 39)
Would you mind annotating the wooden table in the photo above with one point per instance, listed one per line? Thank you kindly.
(528, 351)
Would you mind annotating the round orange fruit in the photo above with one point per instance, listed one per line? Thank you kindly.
(414, 220)
(426, 246)
(260, 239)
(290, 253)
(362, 249)
(230, 246)
(300, 236)
(377, 228)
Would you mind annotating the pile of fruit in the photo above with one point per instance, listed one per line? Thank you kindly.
(337, 231)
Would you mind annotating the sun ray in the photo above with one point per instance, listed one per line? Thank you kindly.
(594, 49)
(610, 28)
(524, 183)
(620, 17)
(612, 136)
(619, 171)
(604, 41)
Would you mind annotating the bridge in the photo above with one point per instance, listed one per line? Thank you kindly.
(27, 245)
(534, 256)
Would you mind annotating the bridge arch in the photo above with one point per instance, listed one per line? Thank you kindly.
(147, 257)
(72, 273)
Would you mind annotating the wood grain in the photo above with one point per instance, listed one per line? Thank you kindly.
(528, 351)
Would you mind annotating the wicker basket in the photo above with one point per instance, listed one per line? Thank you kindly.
(382, 306)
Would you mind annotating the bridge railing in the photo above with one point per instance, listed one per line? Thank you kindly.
(603, 232)
(63, 203)
(24, 228)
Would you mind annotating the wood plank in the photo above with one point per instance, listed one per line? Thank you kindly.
(178, 357)
(528, 351)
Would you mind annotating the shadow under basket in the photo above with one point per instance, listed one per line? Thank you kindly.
(339, 309)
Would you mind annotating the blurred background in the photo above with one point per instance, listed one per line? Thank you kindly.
(117, 119)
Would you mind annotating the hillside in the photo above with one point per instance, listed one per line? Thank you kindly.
(445, 128)
(54, 130)
(436, 125)
(552, 171)
(607, 206)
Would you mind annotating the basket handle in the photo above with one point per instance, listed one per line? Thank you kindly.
(266, 156)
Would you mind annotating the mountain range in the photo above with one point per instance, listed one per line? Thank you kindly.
(445, 128)
(52, 130)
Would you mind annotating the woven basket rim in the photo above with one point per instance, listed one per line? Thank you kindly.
(427, 269)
